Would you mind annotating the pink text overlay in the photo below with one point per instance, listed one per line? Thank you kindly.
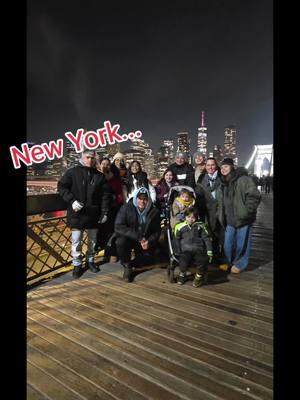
(81, 140)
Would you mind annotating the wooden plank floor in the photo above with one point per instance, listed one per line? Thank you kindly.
(100, 338)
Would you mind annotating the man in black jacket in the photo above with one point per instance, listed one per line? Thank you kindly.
(207, 206)
(137, 227)
(88, 196)
(183, 171)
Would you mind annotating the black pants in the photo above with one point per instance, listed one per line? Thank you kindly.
(186, 259)
(106, 230)
(124, 247)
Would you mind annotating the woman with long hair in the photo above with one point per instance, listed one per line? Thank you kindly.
(115, 183)
(137, 178)
(162, 188)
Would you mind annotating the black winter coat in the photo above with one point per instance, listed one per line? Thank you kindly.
(206, 203)
(193, 238)
(88, 186)
(127, 224)
(184, 174)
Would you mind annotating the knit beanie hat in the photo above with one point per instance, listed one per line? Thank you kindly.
(119, 155)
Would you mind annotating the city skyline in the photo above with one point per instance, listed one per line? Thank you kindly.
(153, 71)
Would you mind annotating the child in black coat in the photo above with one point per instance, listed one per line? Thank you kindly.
(195, 245)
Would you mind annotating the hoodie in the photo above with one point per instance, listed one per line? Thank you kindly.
(142, 213)
(135, 224)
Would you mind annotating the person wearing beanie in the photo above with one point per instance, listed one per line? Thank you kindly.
(182, 170)
(118, 166)
(118, 156)
(237, 202)
(199, 165)
(88, 198)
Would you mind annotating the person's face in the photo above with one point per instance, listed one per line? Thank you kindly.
(142, 202)
(118, 162)
(190, 219)
(135, 168)
(88, 160)
(199, 160)
(185, 196)
(105, 166)
(211, 167)
(226, 169)
(169, 177)
(179, 160)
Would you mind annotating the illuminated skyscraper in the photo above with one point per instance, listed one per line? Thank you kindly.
(183, 141)
(230, 143)
(138, 151)
(169, 149)
(202, 137)
(218, 153)
(71, 156)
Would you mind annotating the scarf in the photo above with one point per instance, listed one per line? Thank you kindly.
(183, 202)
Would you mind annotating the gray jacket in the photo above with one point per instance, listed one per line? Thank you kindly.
(244, 196)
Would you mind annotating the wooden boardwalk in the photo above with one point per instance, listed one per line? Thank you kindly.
(100, 338)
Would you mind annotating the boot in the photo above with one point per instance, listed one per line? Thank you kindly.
(77, 271)
(128, 273)
(93, 267)
(198, 280)
(181, 278)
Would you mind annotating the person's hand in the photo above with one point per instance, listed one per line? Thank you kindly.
(77, 206)
(103, 218)
(210, 256)
(179, 216)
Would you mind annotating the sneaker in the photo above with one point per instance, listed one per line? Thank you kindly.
(181, 278)
(127, 275)
(198, 280)
(93, 267)
(235, 270)
(77, 271)
(224, 267)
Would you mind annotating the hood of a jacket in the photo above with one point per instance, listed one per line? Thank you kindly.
(134, 198)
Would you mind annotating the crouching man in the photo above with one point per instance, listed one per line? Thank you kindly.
(88, 196)
(137, 227)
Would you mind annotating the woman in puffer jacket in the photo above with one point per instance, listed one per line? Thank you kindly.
(237, 202)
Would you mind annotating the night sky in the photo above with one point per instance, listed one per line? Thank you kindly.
(152, 69)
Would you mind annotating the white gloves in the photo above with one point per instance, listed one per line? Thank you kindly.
(77, 206)
(103, 219)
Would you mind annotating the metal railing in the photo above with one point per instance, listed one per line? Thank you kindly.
(48, 238)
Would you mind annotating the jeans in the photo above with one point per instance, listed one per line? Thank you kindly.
(237, 245)
(77, 236)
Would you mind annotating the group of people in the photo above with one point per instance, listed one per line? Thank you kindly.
(122, 211)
